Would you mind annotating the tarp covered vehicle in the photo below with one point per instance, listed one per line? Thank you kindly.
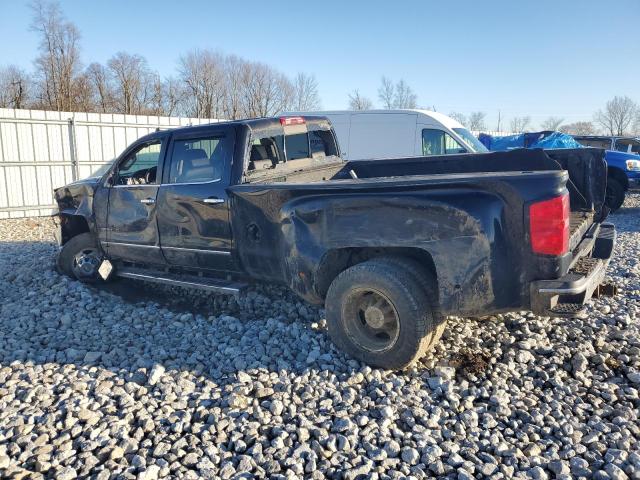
(621, 155)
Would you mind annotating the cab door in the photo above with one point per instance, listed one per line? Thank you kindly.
(193, 206)
(132, 232)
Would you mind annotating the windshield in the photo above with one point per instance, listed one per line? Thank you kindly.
(629, 145)
(470, 140)
(101, 170)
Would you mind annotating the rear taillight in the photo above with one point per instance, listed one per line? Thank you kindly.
(549, 226)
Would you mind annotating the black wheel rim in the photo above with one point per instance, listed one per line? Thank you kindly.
(371, 319)
(86, 263)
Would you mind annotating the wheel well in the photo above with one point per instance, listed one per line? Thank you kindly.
(620, 176)
(71, 226)
(336, 261)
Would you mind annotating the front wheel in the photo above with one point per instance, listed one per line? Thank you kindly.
(380, 313)
(614, 194)
(80, 258)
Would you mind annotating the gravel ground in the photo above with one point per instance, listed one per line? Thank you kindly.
(116, 382)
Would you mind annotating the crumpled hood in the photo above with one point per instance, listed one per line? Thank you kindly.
(77, 196)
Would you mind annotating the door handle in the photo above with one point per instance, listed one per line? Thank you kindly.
(213, 200)
(148, 201)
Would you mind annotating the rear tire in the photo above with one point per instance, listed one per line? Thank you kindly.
(615, 194)
(382, 312)
(80, 258)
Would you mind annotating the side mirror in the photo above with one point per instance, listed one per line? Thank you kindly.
(110, 180)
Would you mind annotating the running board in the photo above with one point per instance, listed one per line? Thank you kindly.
(186, 281)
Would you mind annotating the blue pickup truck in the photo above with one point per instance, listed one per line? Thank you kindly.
(623, 162)
(622, 155)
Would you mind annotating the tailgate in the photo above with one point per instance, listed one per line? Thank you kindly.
(587, 181)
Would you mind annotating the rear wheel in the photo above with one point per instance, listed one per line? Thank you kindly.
(615, 194)
(381, 313)
(80, 258)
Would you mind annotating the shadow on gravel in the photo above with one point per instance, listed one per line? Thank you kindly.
(131, 327)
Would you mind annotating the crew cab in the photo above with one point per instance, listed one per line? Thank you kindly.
(389, 247)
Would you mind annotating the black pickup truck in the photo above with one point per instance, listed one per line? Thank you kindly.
(390, 247)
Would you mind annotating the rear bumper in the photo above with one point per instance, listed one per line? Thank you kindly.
(575, 288)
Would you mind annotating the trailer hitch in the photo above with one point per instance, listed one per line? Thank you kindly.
(605, 290)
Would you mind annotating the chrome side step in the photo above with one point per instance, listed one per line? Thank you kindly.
(186, 281)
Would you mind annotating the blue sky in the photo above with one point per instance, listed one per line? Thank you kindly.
(542, 58)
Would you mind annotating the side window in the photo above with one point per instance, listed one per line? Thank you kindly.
(437, 142)
(140, 166)
(197, 160)
(595, 142)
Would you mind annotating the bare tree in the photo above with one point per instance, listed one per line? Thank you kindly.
(552, 123)
(15, 87)
(266, 91)
(618, 115)
(387, 93)
(404, 96)
(99, 78)
(476, 121)
(203, 75)
(578, 128)
(358, 102)
(459, 117)
(82, 94)
(58, 64)
(154, 104)
(172, 96)
(305, 93)
(132, 82)
(520, 124)
(235, 76)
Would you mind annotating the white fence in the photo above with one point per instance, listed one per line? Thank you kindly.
(40, 151)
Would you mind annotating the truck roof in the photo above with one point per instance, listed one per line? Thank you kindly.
(262, 126)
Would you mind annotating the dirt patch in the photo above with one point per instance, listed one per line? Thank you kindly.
(468, 362)
(613, 363)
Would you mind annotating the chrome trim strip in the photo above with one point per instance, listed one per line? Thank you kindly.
(131, 245)
(197, 250)
(191, 183)
(183, 283)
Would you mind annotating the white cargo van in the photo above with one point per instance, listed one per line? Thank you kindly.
(371, 134)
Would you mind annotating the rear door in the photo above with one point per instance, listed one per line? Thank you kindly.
(193, 207)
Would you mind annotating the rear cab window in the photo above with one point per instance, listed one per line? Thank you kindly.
(295, 149)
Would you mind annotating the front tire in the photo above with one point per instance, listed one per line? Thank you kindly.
(382, 313)
(614, 194)
(80, 258)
